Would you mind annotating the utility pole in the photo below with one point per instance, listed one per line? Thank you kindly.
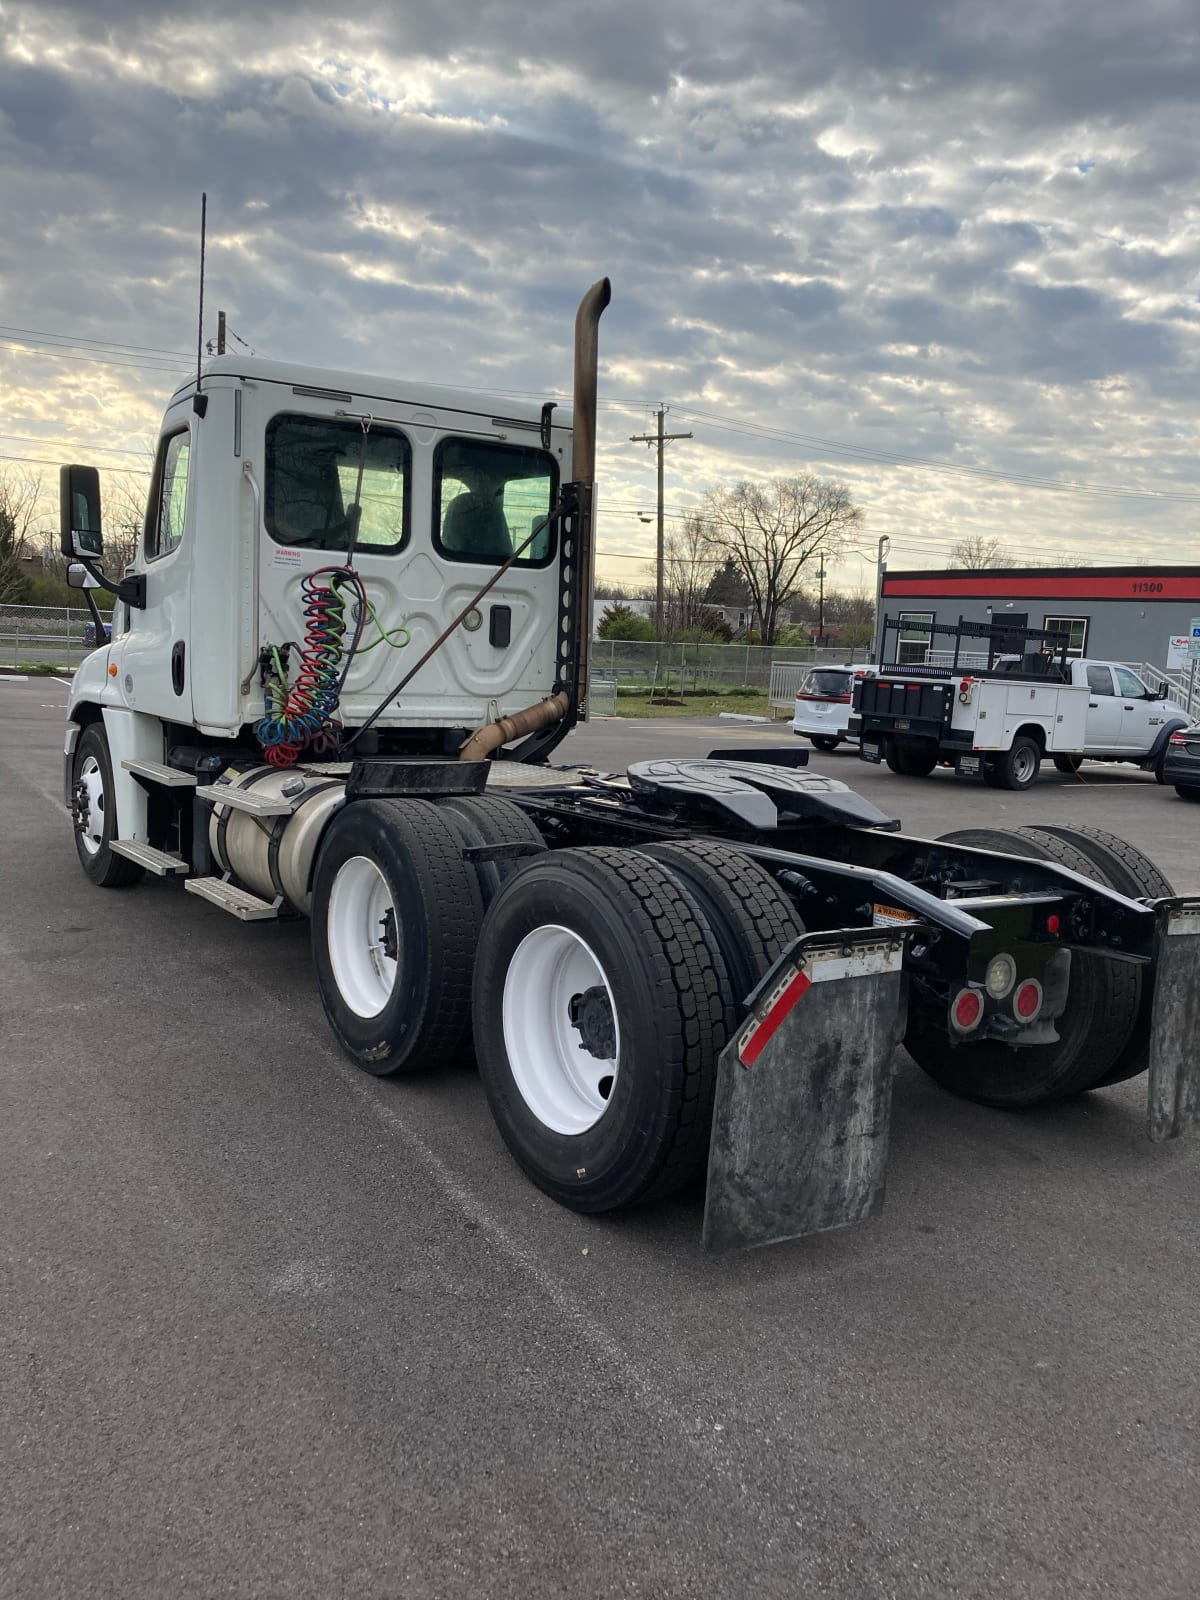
(661, 439)
(821, 602)
(882, 566)
(220, 333)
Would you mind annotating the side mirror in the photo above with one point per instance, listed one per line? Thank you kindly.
(78, 577)
(79, 512)
(1164, 691)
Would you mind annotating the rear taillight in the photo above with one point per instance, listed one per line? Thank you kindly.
(1178, 739)
(966, 1010)
(1027, 1001)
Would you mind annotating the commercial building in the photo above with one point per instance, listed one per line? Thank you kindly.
(1115, 613)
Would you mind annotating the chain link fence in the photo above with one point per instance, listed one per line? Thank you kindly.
(700, 667)
(55, 636)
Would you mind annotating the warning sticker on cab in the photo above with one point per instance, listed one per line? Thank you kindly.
(890, 916)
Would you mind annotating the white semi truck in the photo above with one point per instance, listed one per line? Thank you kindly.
(356, 628)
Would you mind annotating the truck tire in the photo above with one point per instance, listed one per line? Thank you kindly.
(1124, 868)
(1068, 765)
(96, 810)
(1101, 1013)
(1188, 791)
(823, 741)
(911, 760)
(396, 914)
(600, 945)
(484, 819)
(1018, 766)
(751, 918)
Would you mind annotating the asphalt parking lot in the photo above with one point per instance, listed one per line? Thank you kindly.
(269, 1327)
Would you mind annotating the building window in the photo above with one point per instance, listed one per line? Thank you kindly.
(915, 637)
(312, 475)
(1076, 630)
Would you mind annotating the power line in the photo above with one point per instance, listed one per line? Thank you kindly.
(894, 458)
(82, 339)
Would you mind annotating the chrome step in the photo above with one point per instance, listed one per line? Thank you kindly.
(257, 805)
(156, 861)
(240, 903)
(157, 772)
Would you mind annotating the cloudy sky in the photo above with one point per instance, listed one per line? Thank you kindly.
(947, 251)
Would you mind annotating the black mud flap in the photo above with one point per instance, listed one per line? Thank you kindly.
(1173, 1105)
(804, 1092)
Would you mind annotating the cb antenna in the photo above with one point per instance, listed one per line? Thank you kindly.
(200, 401)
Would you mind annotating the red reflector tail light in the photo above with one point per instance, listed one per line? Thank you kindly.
(1027, 1001)
(966, 1011)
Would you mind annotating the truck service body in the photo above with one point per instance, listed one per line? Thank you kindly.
(356, 630)
(996, 714)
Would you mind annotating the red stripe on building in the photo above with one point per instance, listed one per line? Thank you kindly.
(1142, 587)
(769, 1026)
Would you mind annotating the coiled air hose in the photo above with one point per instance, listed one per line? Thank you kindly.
(302, 715)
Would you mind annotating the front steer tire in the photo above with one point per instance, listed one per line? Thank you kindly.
(97, 827)
(395, 921)
(595, 1135)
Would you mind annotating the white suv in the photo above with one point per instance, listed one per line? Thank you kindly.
(823, 704)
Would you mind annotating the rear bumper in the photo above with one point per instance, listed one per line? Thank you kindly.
(834, 723)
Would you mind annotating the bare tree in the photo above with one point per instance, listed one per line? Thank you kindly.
(772, 530)
(977, 553)
(689, 565)
(20, 508)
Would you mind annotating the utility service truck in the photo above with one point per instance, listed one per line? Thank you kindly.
(355, 630)
(998, 711)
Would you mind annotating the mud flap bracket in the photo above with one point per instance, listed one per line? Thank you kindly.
(1173, 1103)
(804, 1092)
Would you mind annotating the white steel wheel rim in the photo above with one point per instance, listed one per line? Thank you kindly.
(92, 779)
(567, 1088)
(1023, 765)
(359, 902)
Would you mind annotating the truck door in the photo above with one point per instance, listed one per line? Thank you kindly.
(1104, 711)
(153, 665)
(1137, 709)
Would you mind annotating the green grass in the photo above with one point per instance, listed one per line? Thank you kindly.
(749, 702)
(37, 669)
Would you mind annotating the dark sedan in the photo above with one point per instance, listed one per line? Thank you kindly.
(1182, 766)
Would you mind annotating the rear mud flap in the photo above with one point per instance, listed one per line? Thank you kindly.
(1173, 1104)
(804, 1093)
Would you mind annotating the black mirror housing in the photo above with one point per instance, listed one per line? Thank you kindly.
(79, 513)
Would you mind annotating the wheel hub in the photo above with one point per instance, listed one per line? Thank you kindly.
(592, 1014)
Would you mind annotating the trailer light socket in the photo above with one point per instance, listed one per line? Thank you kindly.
(1001, 975)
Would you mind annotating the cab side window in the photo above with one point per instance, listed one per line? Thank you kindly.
(168, 504)
(1100, 680)
(1130, 685)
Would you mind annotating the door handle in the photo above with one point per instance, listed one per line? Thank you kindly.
(177, 652)
(1093, 705)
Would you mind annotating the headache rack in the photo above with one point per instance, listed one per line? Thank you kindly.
(1005, 653)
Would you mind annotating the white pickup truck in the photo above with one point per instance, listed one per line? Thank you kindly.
(1000, 722)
